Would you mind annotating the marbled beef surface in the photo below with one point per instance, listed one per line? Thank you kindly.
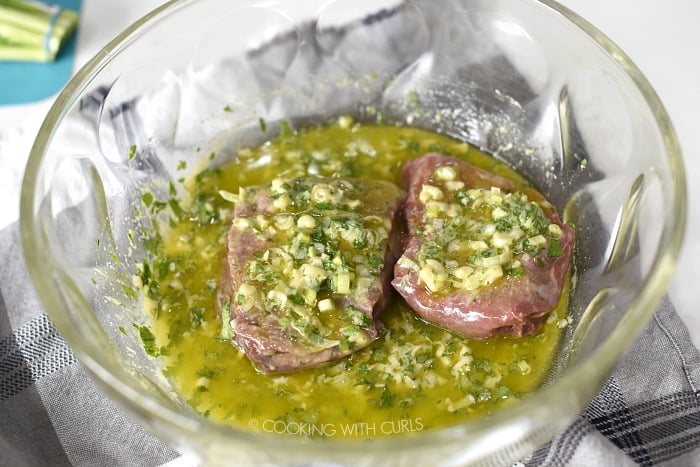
(515, 303)
(308, 269)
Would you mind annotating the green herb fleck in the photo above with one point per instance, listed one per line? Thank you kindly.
(296, 299)
(149, 340)
(177, 210)
(375, 260)
(360, 243)
(503, 392)
(516, 272)
(263, 124)
(131, 152)
(386, 400)
(206, 372)
(554, 250)
(129, 291)
(147, 198)
(324, 206)
(286, 129)
(197, 316)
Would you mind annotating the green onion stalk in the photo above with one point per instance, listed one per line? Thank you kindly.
(34, 31)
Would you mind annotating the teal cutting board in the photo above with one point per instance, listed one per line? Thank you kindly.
(23, 82)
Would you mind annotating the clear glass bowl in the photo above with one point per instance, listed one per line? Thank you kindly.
(528, 81)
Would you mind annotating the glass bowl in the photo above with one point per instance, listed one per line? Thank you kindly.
(528, 81)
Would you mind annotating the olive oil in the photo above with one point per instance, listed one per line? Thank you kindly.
(414, 377)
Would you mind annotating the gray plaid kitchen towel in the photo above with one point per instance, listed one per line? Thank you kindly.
(51, 413)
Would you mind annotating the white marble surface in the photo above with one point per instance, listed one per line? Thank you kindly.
(661, 38)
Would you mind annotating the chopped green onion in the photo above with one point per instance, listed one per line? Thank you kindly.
(34, 31)
(226, 330)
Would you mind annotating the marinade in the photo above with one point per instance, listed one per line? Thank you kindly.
(414, 377)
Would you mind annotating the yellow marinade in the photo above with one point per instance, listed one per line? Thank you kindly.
(414, 377)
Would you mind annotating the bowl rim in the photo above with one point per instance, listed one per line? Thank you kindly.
(594, 369)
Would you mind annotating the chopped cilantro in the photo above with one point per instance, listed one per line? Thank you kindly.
(324, 206)
(147, 198)
(149, 340)
(360, 243)
(412, 145)
(554, 250)
(197, 316)
(145, 272)
(177, 210)
(163, 268)
(131, 152)
(152, 244)
(129, 291)
(422, 357)
(375, 260)
(286, 129)
(318, 235)
(296, 299)
(462, 195)
(386, 400)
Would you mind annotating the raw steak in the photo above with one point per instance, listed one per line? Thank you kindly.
(308, 269)
(484, 256)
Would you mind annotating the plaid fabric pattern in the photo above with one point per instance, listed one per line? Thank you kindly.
(32, 352)
(651, 417)
(638, 417)
(51, 413)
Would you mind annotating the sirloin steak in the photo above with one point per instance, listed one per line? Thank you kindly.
(308, 269)
(484, 256)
